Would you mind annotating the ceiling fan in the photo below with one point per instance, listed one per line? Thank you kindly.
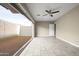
(49, 12)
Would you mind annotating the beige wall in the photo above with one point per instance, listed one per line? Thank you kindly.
(33, 30)
(7, 29)
(42, 29)
(67, 27)
(26, 30)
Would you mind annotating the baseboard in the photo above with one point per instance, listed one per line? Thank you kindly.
(69, 42)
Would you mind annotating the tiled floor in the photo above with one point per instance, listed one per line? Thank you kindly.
(9, 46)
(49, 46)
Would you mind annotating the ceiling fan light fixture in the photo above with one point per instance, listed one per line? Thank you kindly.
(49, 12)
(51, 15)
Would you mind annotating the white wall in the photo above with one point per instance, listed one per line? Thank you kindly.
(67, 27)
(33, 30)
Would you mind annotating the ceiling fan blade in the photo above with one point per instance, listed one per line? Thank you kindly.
(47, 11)
(55, 12)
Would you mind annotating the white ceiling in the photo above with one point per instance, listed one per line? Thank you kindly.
(39, 8)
